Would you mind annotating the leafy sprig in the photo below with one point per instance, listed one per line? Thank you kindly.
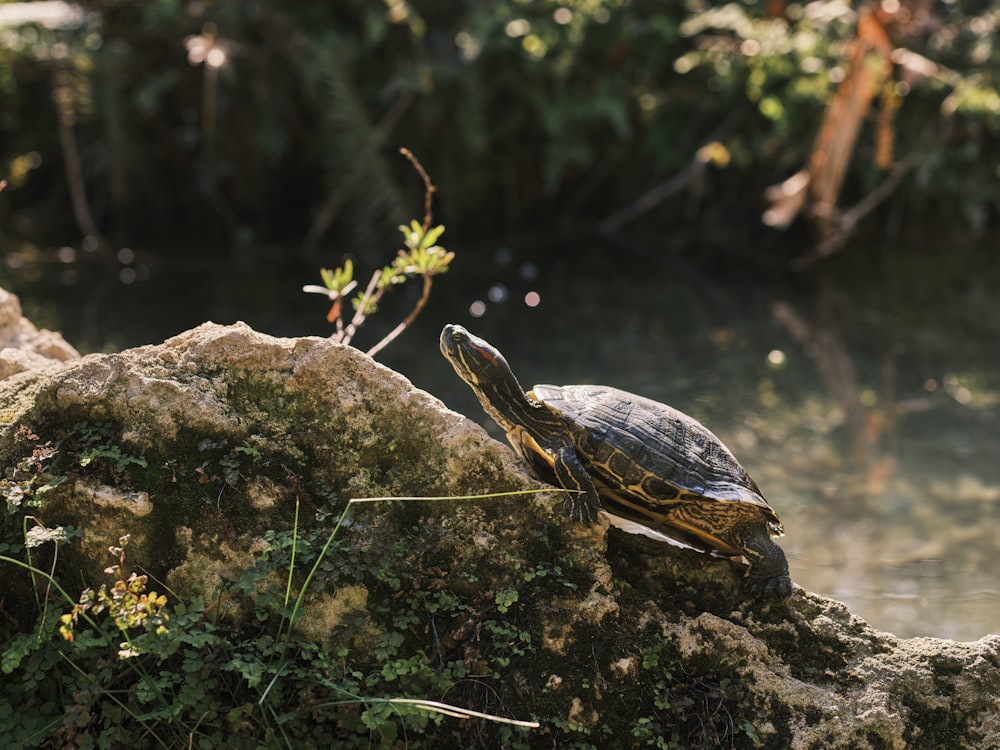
(423, 257)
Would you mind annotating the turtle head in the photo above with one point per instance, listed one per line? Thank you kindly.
(476, 361)
(486, 371)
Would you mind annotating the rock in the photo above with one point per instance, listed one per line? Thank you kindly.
(24, 347)
(351, 424)
(203, 447)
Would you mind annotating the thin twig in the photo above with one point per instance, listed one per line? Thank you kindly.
(409, 319)
(359, 314)
(429, 188)
(339, 335)
(653, 197)
(675, 183)
(428, 217)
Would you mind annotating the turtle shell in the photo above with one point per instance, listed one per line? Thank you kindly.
(648, 460)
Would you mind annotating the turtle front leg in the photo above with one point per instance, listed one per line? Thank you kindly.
(582, 503)
(768, 574)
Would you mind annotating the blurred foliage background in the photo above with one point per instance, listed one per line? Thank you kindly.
(251, 123)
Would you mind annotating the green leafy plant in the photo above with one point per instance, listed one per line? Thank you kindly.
(188, 678)
(98, 447)
(505, 599)
(423, 258)
(690, 710)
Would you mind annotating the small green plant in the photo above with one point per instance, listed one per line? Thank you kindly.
(98, 448)
(423, 258)
(690, 710)
(228, 465)
(506, 598)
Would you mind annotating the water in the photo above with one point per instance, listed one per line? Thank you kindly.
(904, 533)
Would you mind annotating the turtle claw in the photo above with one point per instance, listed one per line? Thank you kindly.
(581, 509)
(777, 587)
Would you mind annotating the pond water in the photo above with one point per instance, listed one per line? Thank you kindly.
(903, 530)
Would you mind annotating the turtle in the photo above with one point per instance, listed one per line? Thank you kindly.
(650, 468)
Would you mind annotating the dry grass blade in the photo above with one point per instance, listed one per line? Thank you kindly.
(460, 713)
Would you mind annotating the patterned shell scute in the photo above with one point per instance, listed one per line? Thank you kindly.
(643, 444)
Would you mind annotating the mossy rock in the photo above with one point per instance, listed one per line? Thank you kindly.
(208, 447)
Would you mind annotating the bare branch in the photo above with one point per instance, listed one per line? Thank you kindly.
(674, 184)
(409, 319)
(849, 219)
(429, 187)
(359, 314)
(653, 197)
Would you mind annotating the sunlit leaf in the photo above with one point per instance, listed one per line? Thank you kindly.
(345, 274)
(431, 237)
